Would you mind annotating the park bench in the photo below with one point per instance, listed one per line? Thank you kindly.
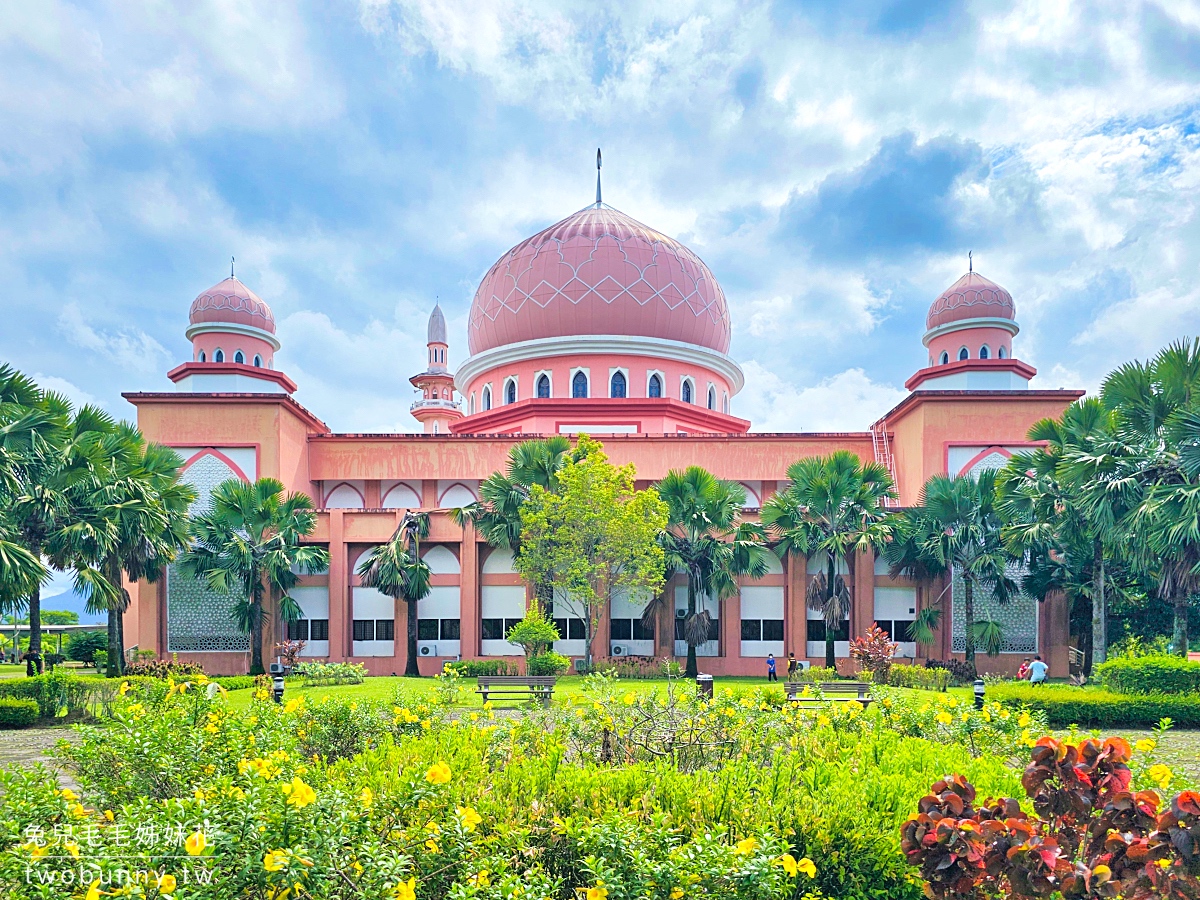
(834, 691)
(516, 687)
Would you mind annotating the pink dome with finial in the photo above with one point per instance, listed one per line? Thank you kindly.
(231, 302)
(599, 272)
(971, 297)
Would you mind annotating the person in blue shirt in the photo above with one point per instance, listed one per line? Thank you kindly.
(771, 676)
(1037, 671)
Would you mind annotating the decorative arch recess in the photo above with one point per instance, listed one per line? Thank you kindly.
(989, 458)
(344, 496)
(401, 496)
(455, 496)
(442, 561)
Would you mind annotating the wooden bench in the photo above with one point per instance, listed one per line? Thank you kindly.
(861, 691)
(516, 687)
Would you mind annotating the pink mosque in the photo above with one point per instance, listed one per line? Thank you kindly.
(599, 325)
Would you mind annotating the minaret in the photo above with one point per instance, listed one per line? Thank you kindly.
(436, 408)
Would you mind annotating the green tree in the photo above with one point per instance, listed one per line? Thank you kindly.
(60, 617)
(957, 528)
(535, 634)
(592, 536)
(833, 505)
(396, 569)
(706, 540)
(248, 544)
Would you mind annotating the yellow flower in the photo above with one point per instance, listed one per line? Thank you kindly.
(37, 851)
(94, 892)
(1145, 745)
(944, 717)
(854, 706)
(123, 689)
(599, 892)
(166, 883)
(676, 893)
(108, 814)
(1160, 774)
(469, 817)
(69, 795)
(1102, 873)
(481, 879)
(195, 843)
(746, 847)
(275, 861)
(77, 811)
(823, 721)
(432, 846)
(292, 705)
(366, 798)
(630, 698)
(789, 864)
(406, 890)
(439, 773)
(806, 866)
(1023, 720)
(298, 793)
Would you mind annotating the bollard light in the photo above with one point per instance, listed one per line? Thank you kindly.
(979, 690)
(704, 685)
(277, 682)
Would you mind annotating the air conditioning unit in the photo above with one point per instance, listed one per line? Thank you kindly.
(428, 650)
(681, 613)
(620, 650)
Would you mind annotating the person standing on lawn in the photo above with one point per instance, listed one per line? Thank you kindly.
(771, 676)
(1037, 671)
(792, 666)
(1023, 672)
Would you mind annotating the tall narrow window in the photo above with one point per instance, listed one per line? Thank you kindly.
(201, 356)
(712, 398)
(616, 387)
(945, 357)
(257, 361)
(487, 399)
(219, 356)
(686, 393)
(655, 388)
(239, 357)
(510, 391)
(983, 352)
(1001, 353)
(543, 387)
(964, 354)
(579, 385)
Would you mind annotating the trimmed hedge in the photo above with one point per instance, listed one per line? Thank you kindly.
(17, 713)
(919, 677)
(1098, 708)
(234, 682)
(53, 692)
(473, 668)
(1158, 674)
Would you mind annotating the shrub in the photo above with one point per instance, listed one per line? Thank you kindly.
(1091, 707)
(817, 674)
(289, 652)
(549, 663)
(1150, 675)
(534, 634)
(919, 677)
(100, 659)
(960, 672)
(1089, 834)
(55, 692)
(17, 713)
(235, 682)
(637, 667)
(161, 668)
(473, 668)
(316, 673)
(874, 652)
(83, 645)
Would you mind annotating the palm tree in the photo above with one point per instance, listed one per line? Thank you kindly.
(956, 529)
(248, 543)
(396, 569)
(706, 540)
(1065, 541)
(833, 505)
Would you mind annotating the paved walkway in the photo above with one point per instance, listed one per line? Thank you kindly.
(27, 746)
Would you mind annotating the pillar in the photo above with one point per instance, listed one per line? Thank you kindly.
(339, 588)
(795, 609)
(469, 594)
(731, 631)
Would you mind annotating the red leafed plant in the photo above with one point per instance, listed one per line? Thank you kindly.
(874, 652)
(289, 652)
(1088, 837)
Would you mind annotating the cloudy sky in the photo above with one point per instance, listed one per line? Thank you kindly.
(832, 167)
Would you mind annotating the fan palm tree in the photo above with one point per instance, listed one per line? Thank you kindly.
(248, 544)
(956, 529)
(706, 540)
(833, 505)
(396, 569)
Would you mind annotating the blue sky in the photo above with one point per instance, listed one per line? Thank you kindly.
(832, 163)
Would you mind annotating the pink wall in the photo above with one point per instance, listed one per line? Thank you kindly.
(209, 342)
(972, 339)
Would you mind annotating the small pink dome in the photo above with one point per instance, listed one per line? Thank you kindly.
(971, 297)
(231, 302)
(599, 272)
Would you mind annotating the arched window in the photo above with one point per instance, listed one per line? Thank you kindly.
(471, 405)
(487, 399)
(712, 397)
(945, 357)
(257, 361)
(725, 403)
(685, 393)
(543, 386)
(239, 357)
(201, 356)
(983, 352)
(579, 385)
(616, 386)
(510, 391)
(219, 356)
(1001, 353)
(964, 354)
(655, 388)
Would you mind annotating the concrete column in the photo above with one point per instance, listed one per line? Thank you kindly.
(470, 597)
(864, 593)
(339, 588)
(731, 628)
(371, 499)
(429, 498)
(795, 611)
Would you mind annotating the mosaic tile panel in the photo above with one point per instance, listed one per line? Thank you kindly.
(1018, 617)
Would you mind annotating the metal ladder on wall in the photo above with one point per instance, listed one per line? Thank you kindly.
(883, 454)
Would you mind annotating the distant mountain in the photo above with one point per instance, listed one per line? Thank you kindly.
(70, 600)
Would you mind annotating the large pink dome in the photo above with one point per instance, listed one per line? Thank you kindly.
(971, 297)
(599, 272)
(232, 303)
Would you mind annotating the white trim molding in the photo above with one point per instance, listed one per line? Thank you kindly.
(984, 322)
(232, 328)
(587, 373)
(537, 376)
(582, 345)
(613, 370)
(662, 382)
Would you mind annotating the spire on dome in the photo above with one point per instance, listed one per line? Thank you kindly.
(597, 176)
(437, 326)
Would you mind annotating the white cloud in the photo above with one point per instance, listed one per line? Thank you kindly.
(129, 348)
(848, 401)
(72, 392)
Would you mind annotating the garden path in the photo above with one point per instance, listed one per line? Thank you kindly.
(28, 746)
